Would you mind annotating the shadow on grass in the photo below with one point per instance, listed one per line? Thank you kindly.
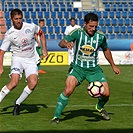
(24, 108)
(92, 115)
(76, 131)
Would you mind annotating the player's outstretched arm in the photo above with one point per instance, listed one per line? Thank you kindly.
(1, 61)
(65, 44)
(108, 56)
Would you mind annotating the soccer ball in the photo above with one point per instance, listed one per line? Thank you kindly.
(95, 89)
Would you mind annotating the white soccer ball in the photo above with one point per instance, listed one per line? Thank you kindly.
(95, 89)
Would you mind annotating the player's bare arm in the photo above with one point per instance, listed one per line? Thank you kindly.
(108, 56)
(65, 44)
(36, 38)
(1, 61)
(44, 47)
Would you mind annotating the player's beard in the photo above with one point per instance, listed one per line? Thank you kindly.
(18, 26)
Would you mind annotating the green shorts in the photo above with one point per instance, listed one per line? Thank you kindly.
(90, 74)
(39, 51)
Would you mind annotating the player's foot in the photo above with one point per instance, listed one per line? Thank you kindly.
(41, 72)
(55, 120)
(103, 113)
(16, 109)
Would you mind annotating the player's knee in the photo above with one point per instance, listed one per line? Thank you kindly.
(68, 91)
(32, 83)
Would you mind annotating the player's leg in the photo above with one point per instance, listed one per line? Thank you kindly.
(71, 83)
(15, 75)
(97, 75)
(32, 78)
(10, 86)
(39, 52)
(74, 78)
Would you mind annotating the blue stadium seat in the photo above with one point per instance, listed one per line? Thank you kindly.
(110, 29)
(43, 7)
(37, 7)
(112, 36)
(73, 14)
(120, 21)
(50, 29)
(35, 20)
(126, 36)
(120, 8)
(107, 22)
(81, 22)
(24, 6)
(131, 7)
(107, 7)
(99, 14)
(63, 29)
(114, 21)
(123, 29)
(116, 29)
(126, 7)
(45, 29)
(52, 36)
(105, 14)
(66, 14)
(69, 7)
(101, 22)
(28, 20)
(111, 14)
(127, 21)
(30, 7)
(118, 14)
(49, 21)
(62, 7)
(40, 14)
(124, 14)
(26, 14)
(33, 14)
(114, 7)
(103, 29)
(8, 22)
(107, 36)
(55, 21)
(60, 14)
(119, 35)
(57, 29)
(67, 21)
(10, 7)
(47, 14)
(60, 36)
(129, 29)
(56, 7)
(79, 15)
(7, 14)
(62, 22)
(47, 36)
(130, 13)
(53, 14)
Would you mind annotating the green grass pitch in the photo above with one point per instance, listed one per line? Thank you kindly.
(79, 115)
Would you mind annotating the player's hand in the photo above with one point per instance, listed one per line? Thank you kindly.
(45, 53)
(39, 45)
(69, 45)
(1, 71)
(116, 70)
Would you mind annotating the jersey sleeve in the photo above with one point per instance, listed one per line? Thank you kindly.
(104, 44)
(72, 36)
(36, 28)
(6, 43)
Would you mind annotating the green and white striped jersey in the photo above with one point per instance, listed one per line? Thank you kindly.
(86, 48)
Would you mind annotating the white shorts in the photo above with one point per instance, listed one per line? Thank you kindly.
(20, 65)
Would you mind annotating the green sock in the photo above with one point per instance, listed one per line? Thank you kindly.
(38, 65)
(61, 103)
(101, 101)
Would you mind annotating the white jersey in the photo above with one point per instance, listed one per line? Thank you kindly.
(71, 28)
(21, 42)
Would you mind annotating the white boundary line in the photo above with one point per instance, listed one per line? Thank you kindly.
(53, 106)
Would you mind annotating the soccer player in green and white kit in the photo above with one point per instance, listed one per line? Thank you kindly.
(85, 64)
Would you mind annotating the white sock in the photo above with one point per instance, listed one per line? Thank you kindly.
(26, 92)
(4, 91)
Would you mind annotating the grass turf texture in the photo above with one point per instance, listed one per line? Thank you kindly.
(79, 115)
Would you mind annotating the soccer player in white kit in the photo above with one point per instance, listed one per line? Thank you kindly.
(20, 38)
(68, 29)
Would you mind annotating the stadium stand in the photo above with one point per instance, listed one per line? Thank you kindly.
(115, 20)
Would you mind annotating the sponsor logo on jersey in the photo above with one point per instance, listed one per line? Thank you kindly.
(27, 31)
(87, 49)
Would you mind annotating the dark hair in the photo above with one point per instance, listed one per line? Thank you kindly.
(16, 12)
(72, 19)
(41, 20)
(90, 16)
